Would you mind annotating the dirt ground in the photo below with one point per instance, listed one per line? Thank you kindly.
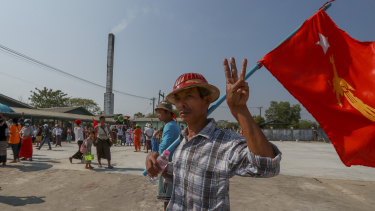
(50, 182)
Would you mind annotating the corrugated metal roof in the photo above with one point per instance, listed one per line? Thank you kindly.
(66, 109)
(55, 115)
(12, 102)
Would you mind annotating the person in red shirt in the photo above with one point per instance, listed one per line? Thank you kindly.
(137, 138)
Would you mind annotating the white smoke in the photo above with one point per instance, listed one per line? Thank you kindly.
(120, 27)
(131, 15)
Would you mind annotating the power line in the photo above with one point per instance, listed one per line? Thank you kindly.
(54, 69)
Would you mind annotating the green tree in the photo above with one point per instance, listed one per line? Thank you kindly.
(282, 111)
(307, 124)
(259, 120)
(47, 98)
(88, 104)
(138, 115)
(151, 115)
(222, 124)
(232, 125)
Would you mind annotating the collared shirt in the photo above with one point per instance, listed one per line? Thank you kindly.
(201, 168)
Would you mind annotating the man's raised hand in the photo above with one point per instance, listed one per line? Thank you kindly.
(237, 89)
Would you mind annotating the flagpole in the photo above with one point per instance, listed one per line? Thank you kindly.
(249, 73)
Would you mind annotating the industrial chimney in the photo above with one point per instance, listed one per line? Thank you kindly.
(108, 95)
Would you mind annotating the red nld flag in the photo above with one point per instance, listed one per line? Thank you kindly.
(94, 122)
(333, 76)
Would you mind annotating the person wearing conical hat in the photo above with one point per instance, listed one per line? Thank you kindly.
(207, 157)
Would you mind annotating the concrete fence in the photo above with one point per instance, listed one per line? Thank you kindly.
(296, 135)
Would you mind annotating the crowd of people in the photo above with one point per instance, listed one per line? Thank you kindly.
(21, 136)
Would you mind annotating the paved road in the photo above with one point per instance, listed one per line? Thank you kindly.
(312, 178)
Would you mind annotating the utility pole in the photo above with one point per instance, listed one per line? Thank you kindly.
(161, 95)
(153, 105)
(260, 109)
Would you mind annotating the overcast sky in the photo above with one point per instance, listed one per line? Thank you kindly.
(156, 41)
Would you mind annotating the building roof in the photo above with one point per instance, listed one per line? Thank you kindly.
(39, 113)
(12, 102)
(73, 110)
(51, 114)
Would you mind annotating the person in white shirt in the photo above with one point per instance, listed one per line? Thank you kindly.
(120, 134)
(78, 133)
(149, 132)
(58, 132)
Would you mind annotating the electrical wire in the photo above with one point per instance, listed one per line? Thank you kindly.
(57, 70)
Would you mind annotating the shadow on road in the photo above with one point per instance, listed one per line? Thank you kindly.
(31, 166)
(117, 169)
(21, 201)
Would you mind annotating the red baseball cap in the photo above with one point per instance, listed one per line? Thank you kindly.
(191, 80)
(78, 121)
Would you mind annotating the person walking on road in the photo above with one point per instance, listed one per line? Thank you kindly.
(46, 137)
(26, 151)
(58, 131)
(104, 142)
(78, 134)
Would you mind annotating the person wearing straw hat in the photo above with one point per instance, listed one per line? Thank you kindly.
(171, 131)
(207, 157)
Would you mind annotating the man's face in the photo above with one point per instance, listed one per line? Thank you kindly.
(190, 105)
(162, 114)
(102, 121)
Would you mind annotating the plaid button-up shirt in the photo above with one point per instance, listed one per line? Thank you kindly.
(201, 168)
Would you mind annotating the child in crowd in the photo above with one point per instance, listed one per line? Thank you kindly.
(86, 149)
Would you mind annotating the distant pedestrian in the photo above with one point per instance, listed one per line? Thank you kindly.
(120, 134)
(137, 138)
(3, 140)
(155, 141)
(38, 137)
(58, 132)
(86, 149)
(78, 133)
(103, 142)
(69, 135)
(129, 136)
(15, 140)
(46, 137)
(149, 132)
(26, 151)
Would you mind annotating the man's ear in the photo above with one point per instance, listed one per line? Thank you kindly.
(207, 99)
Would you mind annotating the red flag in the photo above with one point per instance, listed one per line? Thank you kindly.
(94, 122)
(333, 76)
